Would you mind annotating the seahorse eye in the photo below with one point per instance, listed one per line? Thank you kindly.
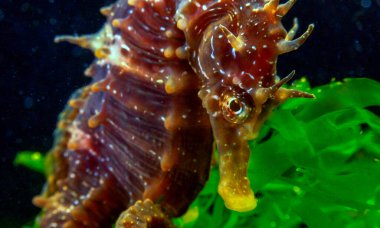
(236, 107)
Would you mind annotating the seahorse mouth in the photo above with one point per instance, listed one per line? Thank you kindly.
(237, 196)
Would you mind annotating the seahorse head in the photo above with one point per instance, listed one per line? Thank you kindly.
(236, 58)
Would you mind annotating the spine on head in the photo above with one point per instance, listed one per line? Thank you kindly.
(233, 47)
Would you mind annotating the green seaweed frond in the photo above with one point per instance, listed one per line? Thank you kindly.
(31, 159)
(315, 163)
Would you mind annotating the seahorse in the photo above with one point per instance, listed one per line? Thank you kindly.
(170, 77)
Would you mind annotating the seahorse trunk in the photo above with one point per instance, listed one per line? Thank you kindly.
(141, 123)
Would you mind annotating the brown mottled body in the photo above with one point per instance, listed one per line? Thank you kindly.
(139, 131)
(169, 76)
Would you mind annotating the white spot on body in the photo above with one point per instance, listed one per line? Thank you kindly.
(215, 97)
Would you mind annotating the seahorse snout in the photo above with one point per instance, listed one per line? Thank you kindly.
(237, 195)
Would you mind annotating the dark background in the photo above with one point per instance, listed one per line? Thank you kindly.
(37, 76)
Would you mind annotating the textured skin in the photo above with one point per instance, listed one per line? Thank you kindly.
(233, 47)
(169, 76)
(130, 138)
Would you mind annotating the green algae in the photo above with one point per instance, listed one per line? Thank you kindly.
(315, 164)
(31, 159)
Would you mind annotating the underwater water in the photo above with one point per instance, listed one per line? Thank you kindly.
(315, 164)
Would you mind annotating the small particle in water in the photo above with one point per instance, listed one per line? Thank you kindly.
(34, 49)
(28, 102)
(358, 46)
(24, 7)
(52, 21)
(366, 3)
(77, 51)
